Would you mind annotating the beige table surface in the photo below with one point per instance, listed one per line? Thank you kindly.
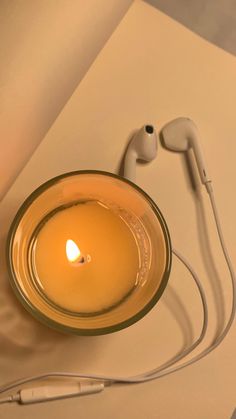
(151, 70)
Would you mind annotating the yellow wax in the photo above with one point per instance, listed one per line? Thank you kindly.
(107, 242)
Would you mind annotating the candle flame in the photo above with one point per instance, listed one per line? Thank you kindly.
(72, 251)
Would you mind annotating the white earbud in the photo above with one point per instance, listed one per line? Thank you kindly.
(181, 134)
(143, 146)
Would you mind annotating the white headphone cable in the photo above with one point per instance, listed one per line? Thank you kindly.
(112, 380)
(161, 371)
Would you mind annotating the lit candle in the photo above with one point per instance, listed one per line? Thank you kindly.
(74, 255)
(86, 258)
(88, 253)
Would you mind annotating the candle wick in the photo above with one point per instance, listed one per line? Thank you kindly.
(82, 260)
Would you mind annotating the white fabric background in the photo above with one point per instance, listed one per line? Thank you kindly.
(214, 20)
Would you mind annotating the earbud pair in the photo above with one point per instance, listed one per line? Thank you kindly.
(179, 135)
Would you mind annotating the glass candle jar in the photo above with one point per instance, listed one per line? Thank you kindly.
(89, 253)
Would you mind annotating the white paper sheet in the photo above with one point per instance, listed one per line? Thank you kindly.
(46, 48)
(141, 76)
